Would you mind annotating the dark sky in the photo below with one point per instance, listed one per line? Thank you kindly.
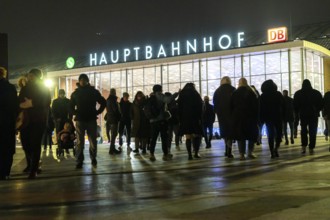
(46, 30)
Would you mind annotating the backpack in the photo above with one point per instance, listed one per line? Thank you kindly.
(151, 108)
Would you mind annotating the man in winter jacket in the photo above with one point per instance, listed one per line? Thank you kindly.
(113, 118)
(125, 121)
(308, 103)
(8, 113)
(288, 117)
(83, 105)
(326, 112)
(208, 120)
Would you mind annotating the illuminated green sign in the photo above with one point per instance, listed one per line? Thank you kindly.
(70, 62)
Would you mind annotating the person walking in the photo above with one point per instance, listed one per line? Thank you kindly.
(83, 105)
(35, 99)
(289, 117)
(222, 107)
(326, 113)
(272, 109)
(190, 109)
(61, 111)
(159, 123)
(8, 114)
(113, 117)
(141, 125)
(125, 121)
(245, 110)
(308, 103)
(208, 120)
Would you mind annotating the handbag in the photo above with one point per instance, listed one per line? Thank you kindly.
(22, 120)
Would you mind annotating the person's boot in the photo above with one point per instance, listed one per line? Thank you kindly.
(229, 152)
(196, 145)
(292, 140)
(286, 140)
(188, 146)
(272, 154)
(113, 150)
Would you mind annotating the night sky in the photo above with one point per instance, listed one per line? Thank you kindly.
(42, 31)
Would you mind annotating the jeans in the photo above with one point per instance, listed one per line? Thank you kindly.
(208, 134)
(125, 125)
(156, 128)
(308, 125)
(91, 128)
(285, 129)
(274, 134)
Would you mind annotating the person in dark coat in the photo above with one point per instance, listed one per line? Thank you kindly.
(113, 118)
(288, 117)
(140, 123)
(35, 99)
(326, 113)
(271, 113)
(245, 110)
(48, 133)
(173, 123)
(83, 105)
(222, 107)
(61, 111)
(125, 121)
(260, 125)
(190, 106)
(8, 114)
(208, 120)
(308, 103)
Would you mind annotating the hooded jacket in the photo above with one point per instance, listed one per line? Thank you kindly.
(308, 102)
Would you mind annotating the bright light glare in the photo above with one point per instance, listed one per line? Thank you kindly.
(49, 83)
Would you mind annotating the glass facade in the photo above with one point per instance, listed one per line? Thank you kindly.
(287, 68)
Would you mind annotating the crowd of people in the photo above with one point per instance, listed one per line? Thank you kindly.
(241, 113)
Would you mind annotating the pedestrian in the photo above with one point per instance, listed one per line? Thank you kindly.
(48, 133)
(272, 109)
(8, 114)
(308, 103)
(159, 122)
(141, 125)
(173, 124)
(61, 111)
(222, 107)
(83, 105)
(113, 118)
(125, 121)
(245, 110)
(190, 106)
(289, 117)
(35, 99)
(208, 120)
(326, 113)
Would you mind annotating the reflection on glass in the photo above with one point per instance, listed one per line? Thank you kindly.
(213, 69)
(257, 65)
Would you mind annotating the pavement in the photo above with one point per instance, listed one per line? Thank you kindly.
(129, 186)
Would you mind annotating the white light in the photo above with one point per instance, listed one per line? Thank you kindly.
(49, 83)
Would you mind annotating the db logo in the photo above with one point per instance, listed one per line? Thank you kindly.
(277, 35)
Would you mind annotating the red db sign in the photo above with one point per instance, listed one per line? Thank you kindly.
(277, 35)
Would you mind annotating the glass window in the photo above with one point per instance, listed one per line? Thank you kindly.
(257, 64)
(186, 72)
(138, 79)
(136, 89)
(295, 81)
(149, 76)
(276, 79)
(284, 62)
(195, 70)
(295, 60)
(173, 87)
(158, 75)
(174, 73)
(285, 81)
(212, 85)
(246, 66)
(227, 67)
(273, 63)
(238, 66)
(165, 74)
(203, 70)
(205, 89)
(257, 82)
(213, 69)
(115, 79)
(316, 64)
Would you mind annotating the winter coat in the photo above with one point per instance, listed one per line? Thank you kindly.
(8, 114)
(125, 109)
(162, 100)
(308, 102)
(208, 114)
(244, 106)
(40, 96)
(272, 104)
(190, 110)
(141, 125)
(83, 103)
(61, 108)
(326, 106)
(289, 109)
(113, 110)
(222, 107)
